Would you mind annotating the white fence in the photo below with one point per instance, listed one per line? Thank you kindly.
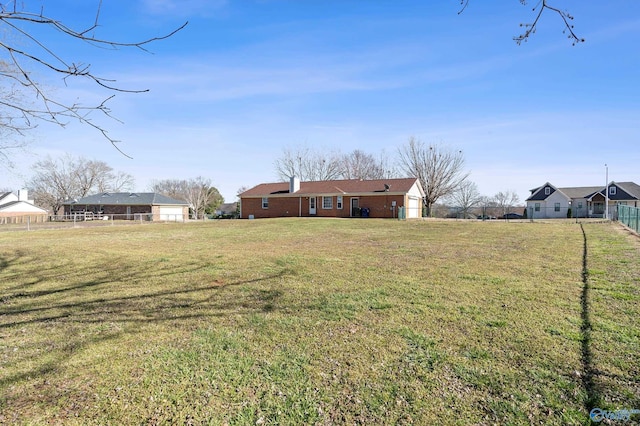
(80, 219)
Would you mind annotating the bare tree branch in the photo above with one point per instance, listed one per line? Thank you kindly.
(68, 177)
(198, 192)
(530, 28)
(505, 200)
(439, 170)
(18, 114)
(361, 165)
(308, 165)
(465, 198)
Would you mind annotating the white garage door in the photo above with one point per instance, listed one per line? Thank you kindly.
(171, 214)
(413, 209)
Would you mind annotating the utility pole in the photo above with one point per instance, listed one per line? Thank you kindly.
(606, 192)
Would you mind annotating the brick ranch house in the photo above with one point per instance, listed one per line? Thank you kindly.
(336, 198)
(128, 206)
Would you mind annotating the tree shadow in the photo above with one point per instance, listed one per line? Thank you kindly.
(79, 301)
(589, 372)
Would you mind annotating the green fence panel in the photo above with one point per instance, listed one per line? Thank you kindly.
(630, 216)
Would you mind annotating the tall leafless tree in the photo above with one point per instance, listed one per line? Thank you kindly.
(201, 195)
(361, 165)
(530, 28)
(25, 101)
(308, 164)
(173, 188)
(58, 180)
(440, 170)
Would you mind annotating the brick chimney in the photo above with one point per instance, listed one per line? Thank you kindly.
(294, 184)
(23, 195)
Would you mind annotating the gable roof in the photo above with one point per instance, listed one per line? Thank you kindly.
(21, 207)
(6, 197)
(581, 191)
(335, 187)
(127, 199)
(630, 188)
(538, 194)
(627, 191)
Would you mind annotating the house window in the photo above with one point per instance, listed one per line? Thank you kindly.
(265, 203)
(339, 202)
(612, 190)
(579, 205)
(556, 207)
(547, 190)
(327, 203)
(537, 207)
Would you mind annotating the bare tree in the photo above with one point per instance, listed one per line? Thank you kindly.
(199, 195)
(56, 181)
(439, 170)
(173, 188)
(241, 190)
(530, 28)
(198, 192)
(117, 182)
(24, 101)
(505, 200)
(466, 198)
(8, 143)
(308, 164)
(360, 165)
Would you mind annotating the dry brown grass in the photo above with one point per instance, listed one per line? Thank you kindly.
(315, 321)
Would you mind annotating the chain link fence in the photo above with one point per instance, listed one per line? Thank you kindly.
(630, 216)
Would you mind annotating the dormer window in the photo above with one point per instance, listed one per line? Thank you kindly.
(612, 190)
(547, 190)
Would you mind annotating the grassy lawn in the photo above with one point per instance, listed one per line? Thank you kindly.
(295, 321)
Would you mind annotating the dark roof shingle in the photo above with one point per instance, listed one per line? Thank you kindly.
(351, 186)
(127, 198)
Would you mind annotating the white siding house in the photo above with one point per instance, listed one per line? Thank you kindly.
(548, 201)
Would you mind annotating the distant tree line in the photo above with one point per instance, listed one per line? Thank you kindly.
(202, 196)
(66, 178)
(439, 169)
(57, 180)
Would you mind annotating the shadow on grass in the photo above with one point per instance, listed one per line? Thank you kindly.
(78, 303)
(589, 371)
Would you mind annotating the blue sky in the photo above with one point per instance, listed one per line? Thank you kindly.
(246, 79)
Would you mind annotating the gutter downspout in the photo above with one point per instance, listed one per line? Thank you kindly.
(299, 206)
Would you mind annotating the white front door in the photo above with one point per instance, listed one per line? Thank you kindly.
(312, 205)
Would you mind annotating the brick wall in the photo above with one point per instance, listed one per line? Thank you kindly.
(380, 206)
